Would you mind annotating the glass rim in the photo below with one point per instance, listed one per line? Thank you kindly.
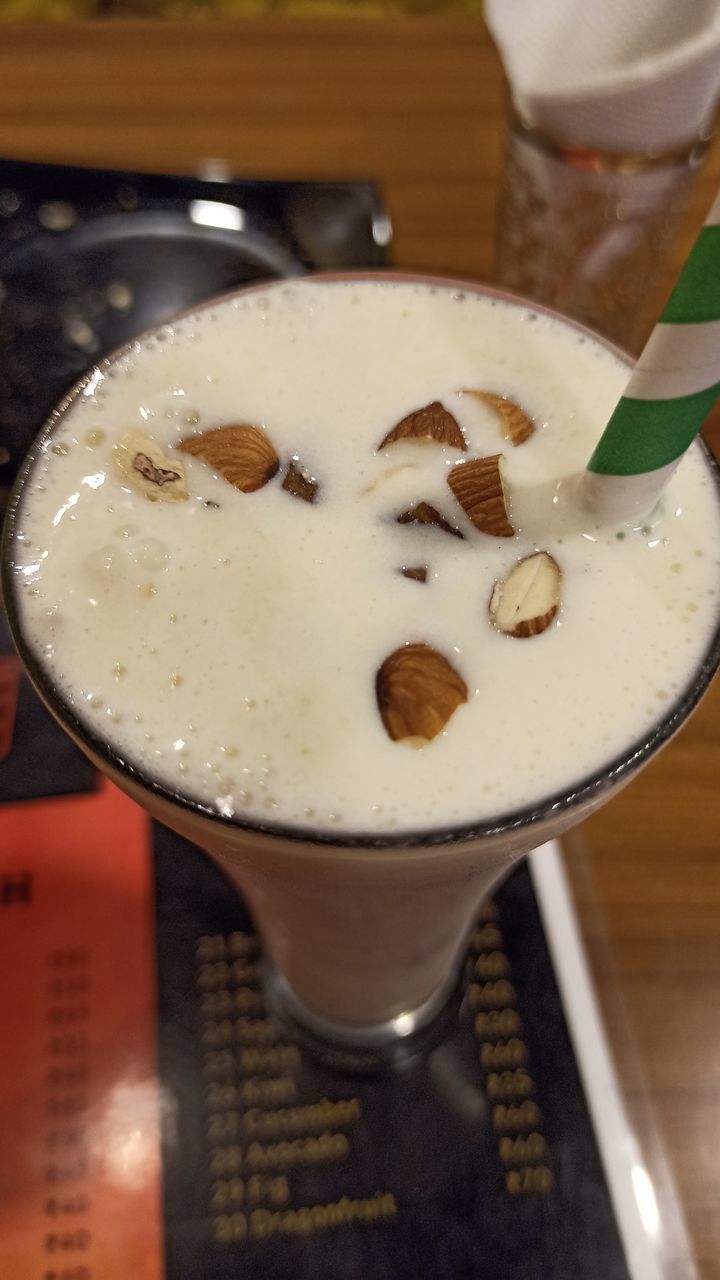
(684, 155)
(524, 818)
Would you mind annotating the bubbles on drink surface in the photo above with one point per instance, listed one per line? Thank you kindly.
(261, 620)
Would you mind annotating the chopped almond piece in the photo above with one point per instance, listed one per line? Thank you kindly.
(418, 572)
(478, 487)
(527, 601)
(433, 422)
(298, 481)
(143, 465)
(387, 475)
(424, 513)
(517, 426)
(417, 691)
(241, 454)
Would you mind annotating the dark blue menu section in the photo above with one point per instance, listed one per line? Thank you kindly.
(481, 1164)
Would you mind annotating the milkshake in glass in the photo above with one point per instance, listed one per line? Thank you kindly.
(304, 574)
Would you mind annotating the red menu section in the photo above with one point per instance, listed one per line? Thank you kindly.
(9, 685)
(80, 1177)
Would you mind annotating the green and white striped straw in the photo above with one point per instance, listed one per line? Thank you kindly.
(672, 388)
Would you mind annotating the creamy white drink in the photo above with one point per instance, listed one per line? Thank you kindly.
(227, 644)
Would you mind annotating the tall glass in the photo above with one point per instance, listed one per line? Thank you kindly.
(589, 232)
(364, 936)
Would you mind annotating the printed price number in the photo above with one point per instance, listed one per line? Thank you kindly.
(221, 975)
(488, 913)
(491, 995)
(503, 1086)
(498, 1024)
(68, 1204)
(67, 1171)
(525, 1115)
(61, 1139)
(503, 1054)
(535, 1179)
(219, 947)
(67, 1045)
(67, 1015)
(57, 988)
(216, 1005)
(67, 1077)
(487, 938)
(68, 957)
(79, 1239)
(66, 1108)
(529, 1149)
(516, 1117)
(69, 1273)
(64, 1077)
(491, 966)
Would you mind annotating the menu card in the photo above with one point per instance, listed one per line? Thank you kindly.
(157, 1123)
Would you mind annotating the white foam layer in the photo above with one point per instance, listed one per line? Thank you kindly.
(231, 650)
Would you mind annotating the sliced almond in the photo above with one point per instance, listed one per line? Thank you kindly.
(478, 487)
(529, 598)
(387, 475)
(424, 513)
(241, 454)
(417, 572)
(417, 691)
(433, 422)
(143, 465)
(298, 481)
(516, 425)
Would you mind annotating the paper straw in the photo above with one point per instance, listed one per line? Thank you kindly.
(672, 388)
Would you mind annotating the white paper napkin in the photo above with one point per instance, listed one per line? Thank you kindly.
(619, 75)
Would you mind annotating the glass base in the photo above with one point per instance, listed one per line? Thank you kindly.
(398, 1045)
